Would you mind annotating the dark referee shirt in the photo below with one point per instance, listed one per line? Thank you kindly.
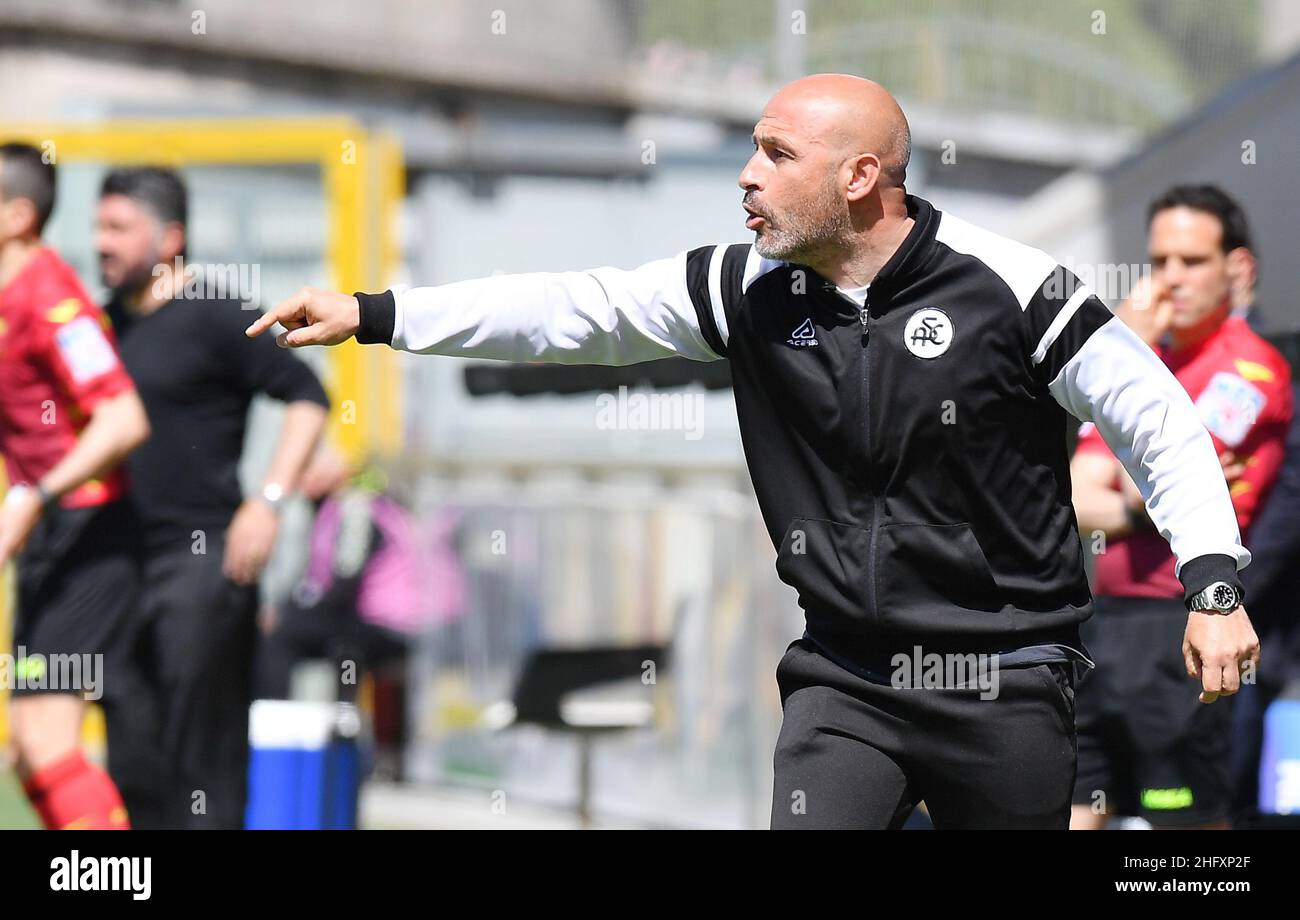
(908, 449)
(197, 372)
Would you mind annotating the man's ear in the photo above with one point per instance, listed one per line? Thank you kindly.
(172, 243)
(1241, 276)
(865, 176)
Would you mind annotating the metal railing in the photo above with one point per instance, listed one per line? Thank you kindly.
(546, 565)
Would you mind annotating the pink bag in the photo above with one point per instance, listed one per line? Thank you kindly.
(412, 581)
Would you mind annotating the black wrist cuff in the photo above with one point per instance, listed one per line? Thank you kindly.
(1199, 573)
(378, 316)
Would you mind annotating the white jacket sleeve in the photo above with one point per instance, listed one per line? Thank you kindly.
(1104, 373)
(601, 316)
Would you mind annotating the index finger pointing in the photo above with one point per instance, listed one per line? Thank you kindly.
(262, 323)
(286, 312)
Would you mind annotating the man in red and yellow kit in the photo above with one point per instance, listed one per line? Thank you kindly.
(68, 415)
(1147, 747)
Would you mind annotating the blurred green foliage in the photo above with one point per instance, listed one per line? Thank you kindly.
(1154, 59)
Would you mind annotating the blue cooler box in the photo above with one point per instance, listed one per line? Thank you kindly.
(304, 769)
(1279, 762)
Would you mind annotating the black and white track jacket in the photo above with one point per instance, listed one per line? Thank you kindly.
(909, 453)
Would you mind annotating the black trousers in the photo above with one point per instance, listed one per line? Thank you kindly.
(177, 712)
(1147, 745)
(860, 754)
(78, 582)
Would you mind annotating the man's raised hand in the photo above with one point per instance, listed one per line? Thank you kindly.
(313, 317)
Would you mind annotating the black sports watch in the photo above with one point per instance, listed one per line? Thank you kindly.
(1219, 597)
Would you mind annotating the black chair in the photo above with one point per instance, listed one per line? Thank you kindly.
(585, 692)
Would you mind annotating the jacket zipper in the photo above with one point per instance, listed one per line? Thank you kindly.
(864, 315)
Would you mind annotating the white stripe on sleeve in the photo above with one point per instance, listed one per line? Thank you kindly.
(601, 316)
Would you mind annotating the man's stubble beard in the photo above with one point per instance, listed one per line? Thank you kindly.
(133, 283)
(808, 234)
(136, 279)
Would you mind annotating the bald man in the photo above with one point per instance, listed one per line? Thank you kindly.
(903, 381)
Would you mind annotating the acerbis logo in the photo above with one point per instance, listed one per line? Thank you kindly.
(804, 336)
(928, 332)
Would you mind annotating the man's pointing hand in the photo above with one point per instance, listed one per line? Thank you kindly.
(313, 317)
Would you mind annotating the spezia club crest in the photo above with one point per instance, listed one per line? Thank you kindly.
(928, 332)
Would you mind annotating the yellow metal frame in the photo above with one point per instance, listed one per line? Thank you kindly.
(363, 181)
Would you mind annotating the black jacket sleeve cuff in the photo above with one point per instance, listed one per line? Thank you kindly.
(1199, 573)
(378, 316)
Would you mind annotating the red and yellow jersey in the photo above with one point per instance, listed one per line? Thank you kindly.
(1241, 386)
(58, 361)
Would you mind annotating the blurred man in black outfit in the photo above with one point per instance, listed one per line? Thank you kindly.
(178, 731)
